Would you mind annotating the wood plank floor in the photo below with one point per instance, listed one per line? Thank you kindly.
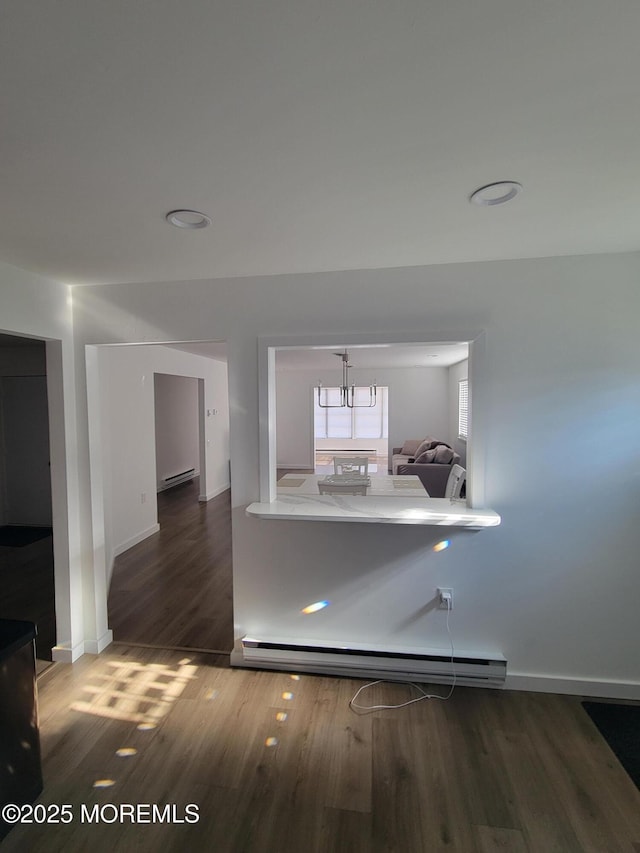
(174, 589)
(281, 764)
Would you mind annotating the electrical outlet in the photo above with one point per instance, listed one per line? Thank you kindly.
(445, 598)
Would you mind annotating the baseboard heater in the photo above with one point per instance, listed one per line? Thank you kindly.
(358, 452)
(176, 479)
(425, 665)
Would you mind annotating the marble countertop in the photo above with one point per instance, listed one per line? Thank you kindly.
(374, 509)
(407, 485)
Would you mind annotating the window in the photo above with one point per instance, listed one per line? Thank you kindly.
(343, 422)
(270, 349)
(463, 409)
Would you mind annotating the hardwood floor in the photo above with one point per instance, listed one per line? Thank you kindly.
(378, 464)
(27, 590)
(277, 763)
(485, 771)
(174, 589)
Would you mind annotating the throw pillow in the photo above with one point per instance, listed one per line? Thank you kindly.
(444, 454)
(427, 444)
(410, 446)
(427, 456)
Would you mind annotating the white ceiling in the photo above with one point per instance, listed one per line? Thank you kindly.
(389, 355)
(339, 134)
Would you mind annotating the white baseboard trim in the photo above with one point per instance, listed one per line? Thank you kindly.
(295, 467)
(214, 493)
(66, 654)
(139, 537)
(573, 686)
(236, 658)
(94, 647)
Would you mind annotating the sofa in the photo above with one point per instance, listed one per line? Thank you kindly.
(429, 458)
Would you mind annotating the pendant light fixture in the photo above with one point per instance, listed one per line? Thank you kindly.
(347, 391)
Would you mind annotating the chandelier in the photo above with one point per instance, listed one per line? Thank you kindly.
(347, 392)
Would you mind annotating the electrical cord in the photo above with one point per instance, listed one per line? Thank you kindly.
(356, 707)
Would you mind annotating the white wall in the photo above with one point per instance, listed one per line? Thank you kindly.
(418, 406)
(177, 429)
(127, 455)
(294, 418)
(418, 403)
(37, 307)
(456, 373)
(562, 461)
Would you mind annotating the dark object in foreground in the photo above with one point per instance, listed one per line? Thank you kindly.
(20, 765)
(17, 536)
(619, 725)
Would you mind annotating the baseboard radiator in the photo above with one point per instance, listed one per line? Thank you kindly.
(428, 665)
(370, 450)
(176, 479)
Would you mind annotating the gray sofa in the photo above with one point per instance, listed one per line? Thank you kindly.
(436, 458)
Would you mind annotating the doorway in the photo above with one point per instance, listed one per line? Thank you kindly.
(162, 468)
(178, 430)
(26, 536)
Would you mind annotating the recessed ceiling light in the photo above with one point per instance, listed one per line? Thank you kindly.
(498, 193)
(188, 219)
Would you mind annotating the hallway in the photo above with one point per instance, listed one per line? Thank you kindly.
(174, 589)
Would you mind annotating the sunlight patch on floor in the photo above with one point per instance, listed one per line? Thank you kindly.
(138, 693)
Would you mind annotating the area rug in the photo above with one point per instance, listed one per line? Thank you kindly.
(619, 725)
(15, 536)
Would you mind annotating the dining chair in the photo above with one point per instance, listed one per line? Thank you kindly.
(456, 481)
(354, 465)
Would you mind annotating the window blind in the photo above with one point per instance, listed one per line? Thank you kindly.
(351, 423)
(463, 408)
